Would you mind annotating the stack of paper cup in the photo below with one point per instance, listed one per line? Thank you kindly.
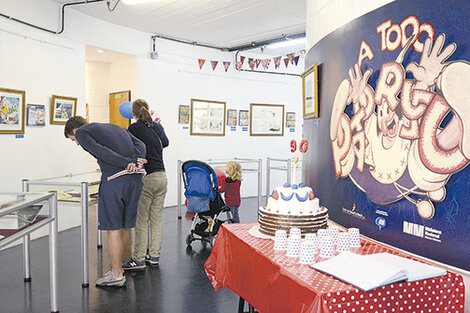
(280, 240)
(312, 237)
(293, 245)
(333, 232)
(327, 249)
(307, 252)
(343, 242)
(294, 231)
(354, 238)
(320, 234)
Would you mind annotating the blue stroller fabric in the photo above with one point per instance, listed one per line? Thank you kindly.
(200, 181)
(197, 204)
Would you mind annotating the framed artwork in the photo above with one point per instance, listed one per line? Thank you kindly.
(266, 119)
(310, 92)
(207, 118)
(12, 111)
(36, 115)
(62, 108)
(243, 118)
(183, 114)
(231, 117)
(290, 119)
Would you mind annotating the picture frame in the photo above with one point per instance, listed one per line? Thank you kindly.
(36, 115)
(231, 117)
(62, 108)
(266, 119)
(12, 111)
(290, 119)
(243, 118)
(183, 114)
(310, 92)
(207, 117)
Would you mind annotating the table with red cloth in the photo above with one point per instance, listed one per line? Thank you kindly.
(272, 282)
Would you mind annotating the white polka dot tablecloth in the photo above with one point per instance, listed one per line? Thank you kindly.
(272, 282)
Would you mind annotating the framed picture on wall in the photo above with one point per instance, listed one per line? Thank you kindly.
(290, 119)
(266, 119)
(310, 92)
(207, 118)
(231, 117)
(62, 108)
(36, 115)
(243, 118)
(183, 114)
(12, 111)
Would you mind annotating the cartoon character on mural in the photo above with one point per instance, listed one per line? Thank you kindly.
(396, 145)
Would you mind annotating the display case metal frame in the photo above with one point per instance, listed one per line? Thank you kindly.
(25, 232)
(64, 180)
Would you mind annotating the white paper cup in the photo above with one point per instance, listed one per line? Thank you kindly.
(294, 231)
(343, 242)
(354, 237)
(307, 252)
(293, 246)
(280, 240)
(327, 249)
(333, 232)
(312, 238)
(320, 234)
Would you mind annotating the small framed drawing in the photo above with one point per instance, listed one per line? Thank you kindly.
(183, 114)
(12, 111)
(266, 119)
(310, 92)
(231, 117)
(36, 115)
(290, 119)
(207, 118)
(62, 108)
(243, 118)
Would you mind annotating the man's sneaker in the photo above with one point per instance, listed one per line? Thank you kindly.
(109, 280)
(133, 265)
(152, 260)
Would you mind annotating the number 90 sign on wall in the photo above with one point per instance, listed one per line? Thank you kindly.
(303, 147)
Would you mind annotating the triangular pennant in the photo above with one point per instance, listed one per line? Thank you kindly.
(201, 63)
(303, 51)
(258, 61)
(214, 64)
(267, 63)
(226, 65)
(251, 63)
(277, 62)
(291, 57)
(286, 62)
(242, 59)
(239, 65)
(296, 60)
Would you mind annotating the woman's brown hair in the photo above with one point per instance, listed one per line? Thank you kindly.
(140, 109)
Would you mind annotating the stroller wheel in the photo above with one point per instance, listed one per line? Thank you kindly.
(189, 239)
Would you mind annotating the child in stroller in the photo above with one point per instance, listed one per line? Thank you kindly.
(202, 192)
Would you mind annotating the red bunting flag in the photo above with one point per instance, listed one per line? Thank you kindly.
(239, 65)
(226, 65)
(277, 62)
(258, 61)
(251, 63)
(291, 57)
(296, 60)
(286, 62)
(242, 59)
(268, 61)
(214, 64)
(303, 51)
(201, 63)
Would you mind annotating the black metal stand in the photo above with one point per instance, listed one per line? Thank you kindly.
(241, 307)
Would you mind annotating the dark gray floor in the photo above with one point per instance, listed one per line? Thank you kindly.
(179, 284)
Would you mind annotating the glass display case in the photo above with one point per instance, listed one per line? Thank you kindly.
(80, 188)
(20, 215)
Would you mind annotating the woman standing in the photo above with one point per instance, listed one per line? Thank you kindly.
(154, 190)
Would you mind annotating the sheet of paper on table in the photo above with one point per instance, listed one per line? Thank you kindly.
(371, 271)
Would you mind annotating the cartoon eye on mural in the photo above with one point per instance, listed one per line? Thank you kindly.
(408, 136)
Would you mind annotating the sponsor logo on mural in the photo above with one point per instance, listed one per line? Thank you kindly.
(405, 138)
(353, 212)
(422, 231)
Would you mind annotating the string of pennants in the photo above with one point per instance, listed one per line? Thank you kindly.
(255, 63)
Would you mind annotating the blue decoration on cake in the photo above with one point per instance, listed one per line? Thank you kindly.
(302, 185)
(294, 186)
(286, 185)
(286, 198)
(301, 199)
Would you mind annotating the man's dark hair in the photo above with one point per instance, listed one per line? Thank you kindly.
(73, 123)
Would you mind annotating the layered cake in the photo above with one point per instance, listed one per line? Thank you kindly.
(292, 206)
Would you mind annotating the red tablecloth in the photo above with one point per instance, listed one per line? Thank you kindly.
(272, 282)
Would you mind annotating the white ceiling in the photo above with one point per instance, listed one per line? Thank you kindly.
(219, 23)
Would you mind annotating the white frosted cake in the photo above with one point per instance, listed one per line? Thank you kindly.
(292, 206)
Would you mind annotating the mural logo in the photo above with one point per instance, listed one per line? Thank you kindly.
(408, 136)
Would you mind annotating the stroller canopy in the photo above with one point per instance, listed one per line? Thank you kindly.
(199, 180)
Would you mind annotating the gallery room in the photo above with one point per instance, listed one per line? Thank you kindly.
(234, 156)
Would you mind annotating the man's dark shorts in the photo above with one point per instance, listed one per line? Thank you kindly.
(118, 201)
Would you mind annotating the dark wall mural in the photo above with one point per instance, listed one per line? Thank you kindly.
(390, 151)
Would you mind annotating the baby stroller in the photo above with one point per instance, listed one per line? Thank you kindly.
(202, 191)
